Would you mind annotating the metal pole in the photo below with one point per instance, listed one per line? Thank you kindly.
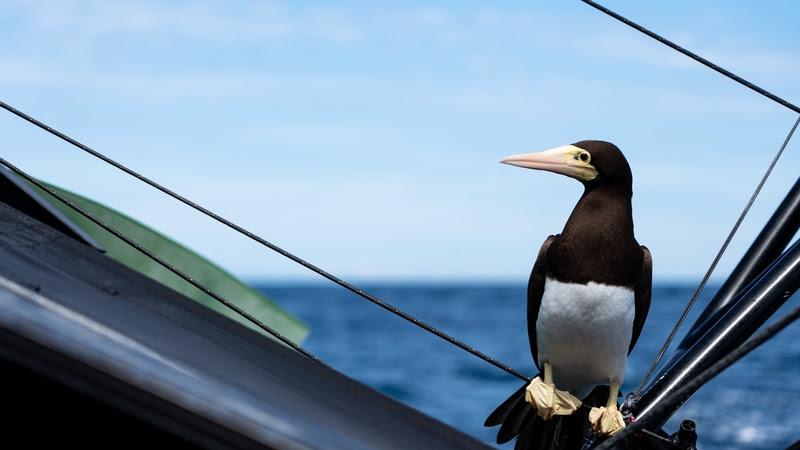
(686, 437)
(748, 311)
(767, 246)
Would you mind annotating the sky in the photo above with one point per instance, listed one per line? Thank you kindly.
(365, 136)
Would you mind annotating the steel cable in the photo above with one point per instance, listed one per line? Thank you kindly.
(358, 291)
(735, 228)
(713, 265)
(702, 378)
(161, 262)
(388, 306)
(694, 56)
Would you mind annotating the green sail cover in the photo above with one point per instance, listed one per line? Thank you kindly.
(201, 269)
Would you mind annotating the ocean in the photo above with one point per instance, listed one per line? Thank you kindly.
(750, 406)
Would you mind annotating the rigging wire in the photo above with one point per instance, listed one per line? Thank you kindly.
(358, 291)
(685, 391)
(713, 265)
(391, 308)
(693, 55)
(163, 263)
(735, 228)
(754, 342)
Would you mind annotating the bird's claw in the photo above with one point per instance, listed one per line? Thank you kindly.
(606, 421)
(549, 401)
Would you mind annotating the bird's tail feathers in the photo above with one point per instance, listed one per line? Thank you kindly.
(518, 418)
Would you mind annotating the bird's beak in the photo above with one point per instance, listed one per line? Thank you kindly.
(567, 160)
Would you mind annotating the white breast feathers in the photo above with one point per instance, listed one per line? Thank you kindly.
(584, 331)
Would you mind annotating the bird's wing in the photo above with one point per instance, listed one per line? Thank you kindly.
(642, 296)
(535, 291)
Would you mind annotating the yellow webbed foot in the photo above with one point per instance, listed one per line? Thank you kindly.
(606, 420)
(549, 401)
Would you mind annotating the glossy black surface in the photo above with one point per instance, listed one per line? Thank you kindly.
(748, 312)
(767, 246)
(77, 318)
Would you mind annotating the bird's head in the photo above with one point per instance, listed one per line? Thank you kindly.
(593, 163)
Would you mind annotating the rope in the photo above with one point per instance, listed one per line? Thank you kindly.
(686, 390)
(713, 265)
(358, 291)
(160, 261)
(694, 56)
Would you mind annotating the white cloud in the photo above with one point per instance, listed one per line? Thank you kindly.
(203, 20)
(82, 28)
(220, 22)
(416, 148)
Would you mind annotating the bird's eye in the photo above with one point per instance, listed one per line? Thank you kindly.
(584, 157)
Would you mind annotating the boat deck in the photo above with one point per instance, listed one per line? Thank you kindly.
(71, 315)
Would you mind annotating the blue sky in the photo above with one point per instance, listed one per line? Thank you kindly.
(365, 136)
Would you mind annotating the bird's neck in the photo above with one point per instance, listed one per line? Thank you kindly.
(601, 212)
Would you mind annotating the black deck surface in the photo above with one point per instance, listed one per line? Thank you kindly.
(74, 316)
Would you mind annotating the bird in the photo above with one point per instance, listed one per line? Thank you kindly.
(587, 301)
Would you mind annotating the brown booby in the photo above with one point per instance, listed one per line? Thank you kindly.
(588, 297)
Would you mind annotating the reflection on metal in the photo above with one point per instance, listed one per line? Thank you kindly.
(747, 313)
(769, 244)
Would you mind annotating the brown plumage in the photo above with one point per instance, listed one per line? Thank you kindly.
(597, 245)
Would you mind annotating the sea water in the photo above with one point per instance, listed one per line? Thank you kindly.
(753, 405)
